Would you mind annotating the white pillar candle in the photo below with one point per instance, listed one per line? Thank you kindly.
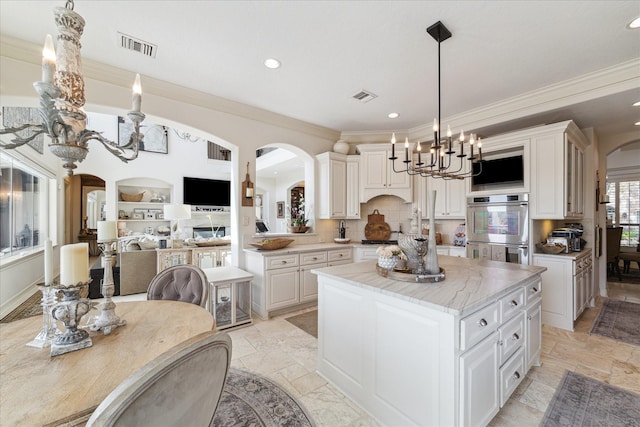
(107, 230)
(74, 264)
(48, 262)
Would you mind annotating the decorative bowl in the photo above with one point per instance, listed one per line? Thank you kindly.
(271, 244)
(206, 243)
(552, 249)
(131, 197)
(338, 240)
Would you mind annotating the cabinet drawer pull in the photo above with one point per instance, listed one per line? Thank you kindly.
(315, 258)
(482, 323)
(284, 262)
(341, 255)
(516, 337)
(534, 290)
(516, 375)
(513, 303)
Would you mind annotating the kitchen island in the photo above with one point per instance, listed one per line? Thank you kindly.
(429, 354)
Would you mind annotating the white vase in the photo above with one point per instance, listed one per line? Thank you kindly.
(431, 263)
(387, 262)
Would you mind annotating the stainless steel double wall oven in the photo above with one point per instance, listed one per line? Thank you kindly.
(498, 227)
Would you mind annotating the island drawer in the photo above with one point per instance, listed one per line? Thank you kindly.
(478, 325)
(511, 337)
(533, 291)
(511, 304)
(511, 375)
(340, 255)
(281, 261)
(313, 257)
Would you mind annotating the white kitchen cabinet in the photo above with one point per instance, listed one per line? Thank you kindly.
(332, 172)
(282, 280)
(557, 172)
(283, 286)
(377, 176)
(533, 325)
(353, 187)
(480, 392)
(451, 197)
(566, 285)
(365, 253)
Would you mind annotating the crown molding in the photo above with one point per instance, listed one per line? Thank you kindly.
(615, 79)
(22, 50)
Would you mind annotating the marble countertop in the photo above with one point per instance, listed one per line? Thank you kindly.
(296, 249)
(469, 283)
(571, 255)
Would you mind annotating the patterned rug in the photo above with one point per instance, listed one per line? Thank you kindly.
(249, 399)
(308, 322)
(618, 320)
(31, 307)
(583, 401)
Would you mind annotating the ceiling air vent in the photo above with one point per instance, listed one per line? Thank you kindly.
(364, 96)
(137, 45)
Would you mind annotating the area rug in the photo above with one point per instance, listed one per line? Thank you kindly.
(308, 322)
(583, 401)
(31, 307)
(618, 320)
(249, 399)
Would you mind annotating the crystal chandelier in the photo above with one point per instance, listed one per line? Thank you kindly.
(440, 162)
(62, 98)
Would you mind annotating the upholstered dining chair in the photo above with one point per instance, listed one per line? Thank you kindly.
(182, 386)
(186, 283)
(614, 235)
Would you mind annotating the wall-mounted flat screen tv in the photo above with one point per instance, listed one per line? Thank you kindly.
(206, 192)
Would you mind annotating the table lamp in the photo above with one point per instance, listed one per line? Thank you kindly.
(176, 213)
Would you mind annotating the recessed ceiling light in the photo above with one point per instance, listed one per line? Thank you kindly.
(636, 104)
(393, 115)
(272, 63)
(634, 24)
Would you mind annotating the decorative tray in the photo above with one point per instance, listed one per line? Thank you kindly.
(271, 244)
(408, 276)
(212, 243)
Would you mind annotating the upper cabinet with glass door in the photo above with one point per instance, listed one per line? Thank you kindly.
(558, 172)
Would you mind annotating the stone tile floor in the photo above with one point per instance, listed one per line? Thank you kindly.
(287, 355)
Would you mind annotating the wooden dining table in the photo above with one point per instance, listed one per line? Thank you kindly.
(37, 389)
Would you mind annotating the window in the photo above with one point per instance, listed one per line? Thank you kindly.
(623, 209)
(24, 209)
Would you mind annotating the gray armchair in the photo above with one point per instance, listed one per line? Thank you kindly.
(185, 282)
(180, 387)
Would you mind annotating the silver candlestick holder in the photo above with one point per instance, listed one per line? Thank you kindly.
(49, 329)
(107, 320)
(70, 310)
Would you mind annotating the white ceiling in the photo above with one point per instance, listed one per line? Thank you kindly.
(331, 50)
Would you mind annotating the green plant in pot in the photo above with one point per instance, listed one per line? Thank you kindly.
(298, 220)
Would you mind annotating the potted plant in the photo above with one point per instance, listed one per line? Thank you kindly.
(388, 256)
(298, 220)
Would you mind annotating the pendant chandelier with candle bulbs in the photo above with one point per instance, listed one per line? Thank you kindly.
(445, 157)
(62, 98)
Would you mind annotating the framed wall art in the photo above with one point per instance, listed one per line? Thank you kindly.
(154, 137)
(280, 209)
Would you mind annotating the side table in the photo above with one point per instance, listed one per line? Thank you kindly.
(229, 296)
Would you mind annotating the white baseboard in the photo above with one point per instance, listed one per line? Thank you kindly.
(8, 306)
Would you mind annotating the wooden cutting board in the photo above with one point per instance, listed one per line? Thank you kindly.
(376, 228)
